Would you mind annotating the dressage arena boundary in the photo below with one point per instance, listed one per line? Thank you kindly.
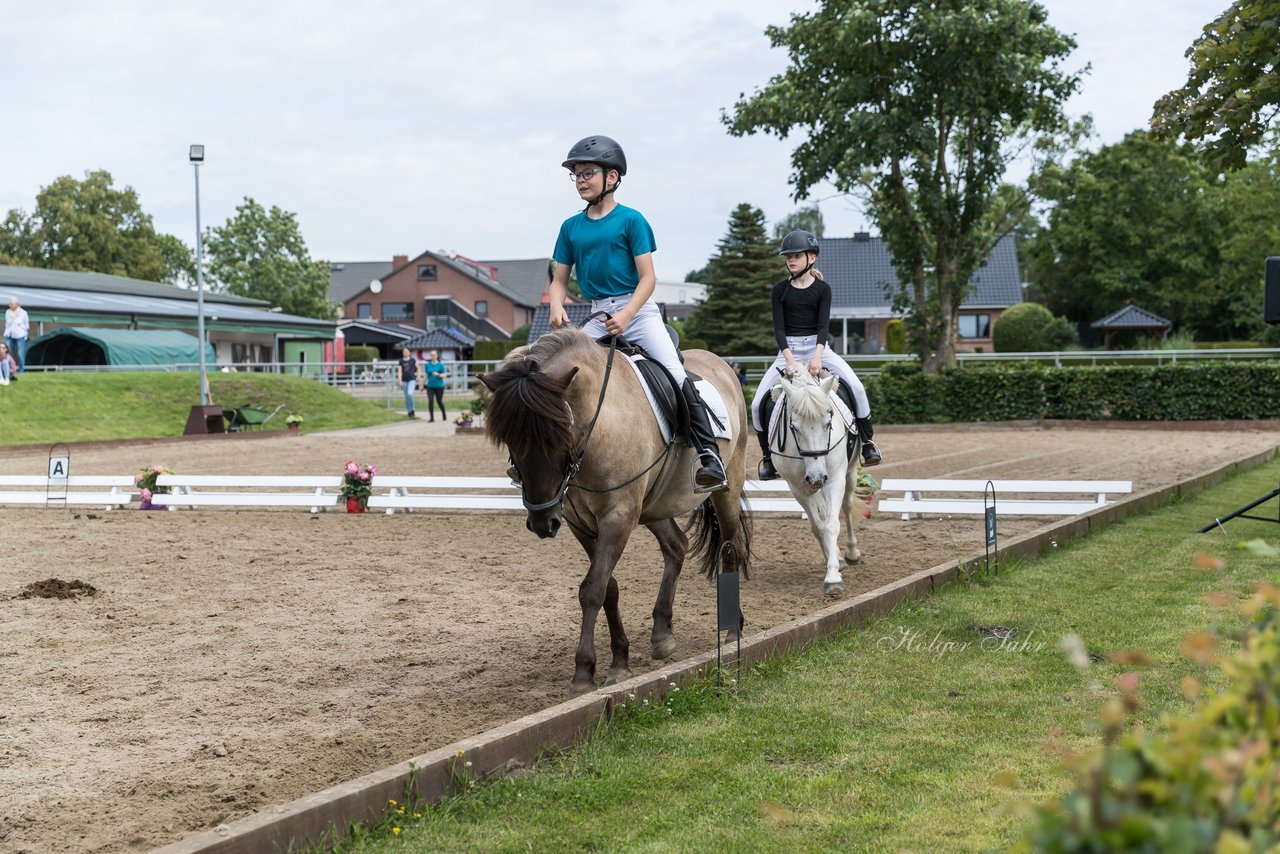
(315, 818)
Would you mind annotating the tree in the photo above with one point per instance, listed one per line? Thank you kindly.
(1139, 220)
(808, 218)
(85, 226)
(1029, 327)
(261, 254)
(179, 261)
(1249, 201)
(921, 107)
(1232, 93)
(736, 316)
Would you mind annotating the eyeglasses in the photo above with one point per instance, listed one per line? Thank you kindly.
(584, 175)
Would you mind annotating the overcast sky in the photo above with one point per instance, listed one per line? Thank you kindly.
(398, 127)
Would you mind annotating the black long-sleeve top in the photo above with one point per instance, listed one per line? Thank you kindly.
(801, 311)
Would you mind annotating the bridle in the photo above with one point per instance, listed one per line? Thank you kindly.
(577, 453)
(801, 453)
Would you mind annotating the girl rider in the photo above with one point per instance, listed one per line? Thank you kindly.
(801, 315)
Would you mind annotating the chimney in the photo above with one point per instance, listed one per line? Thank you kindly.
(398, 261)
(862, 236)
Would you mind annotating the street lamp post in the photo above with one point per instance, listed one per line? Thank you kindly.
(196, 156)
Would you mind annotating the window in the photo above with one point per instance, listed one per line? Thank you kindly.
(364, 311)
(973, 326)
(482, 308)
(426, 272)
(395, 311)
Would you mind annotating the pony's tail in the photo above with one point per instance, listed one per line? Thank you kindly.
(706, 537)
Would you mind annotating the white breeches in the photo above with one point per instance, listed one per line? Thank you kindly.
(802, 347)
(645, 329)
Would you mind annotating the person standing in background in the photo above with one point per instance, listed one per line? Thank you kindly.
(436, 373)
(16, 327)
(7, 366)
(407, 370)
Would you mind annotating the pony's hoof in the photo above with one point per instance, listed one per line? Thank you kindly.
(731, 636)
(850, 561)
(663, 648)
(620, 676)
(832, 588)
(577, 689)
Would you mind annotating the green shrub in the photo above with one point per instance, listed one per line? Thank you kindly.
(903, 394)
(895, 336)
(494, 351)
(360, 353)
(1205, 782)
(483, 397)
(1025, 328)
(521, 333)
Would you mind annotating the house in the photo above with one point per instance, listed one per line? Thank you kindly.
(242, 331)
(679, 299)
(482, 299)
(863, 281)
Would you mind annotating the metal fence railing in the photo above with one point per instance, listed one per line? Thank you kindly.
(377, 380)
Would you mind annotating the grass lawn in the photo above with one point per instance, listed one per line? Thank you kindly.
(918, 732)
(77, 407)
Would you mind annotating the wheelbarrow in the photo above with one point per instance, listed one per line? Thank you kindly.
(247, 417)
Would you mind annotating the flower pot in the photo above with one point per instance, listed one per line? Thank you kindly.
(294, 427)
(153, 504)
(355, 505)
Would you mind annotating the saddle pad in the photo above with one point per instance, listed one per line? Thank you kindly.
(710, 395)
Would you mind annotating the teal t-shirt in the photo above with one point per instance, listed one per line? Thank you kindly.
(434, 381)
(604, 250)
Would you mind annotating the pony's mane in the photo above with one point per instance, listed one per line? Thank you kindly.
(807, 400)
(528, 409)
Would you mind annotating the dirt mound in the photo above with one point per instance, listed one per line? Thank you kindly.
(56, 588)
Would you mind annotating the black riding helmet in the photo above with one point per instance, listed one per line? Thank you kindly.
(796, 242)
(799, 241)
(603, 151)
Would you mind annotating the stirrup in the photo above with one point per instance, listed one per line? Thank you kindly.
(513, 473)
(870, 455)
(720, 485)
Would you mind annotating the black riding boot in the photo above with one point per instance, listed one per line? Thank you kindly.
(767, 471)
(513, 472)
(870, 453)
(710, 476)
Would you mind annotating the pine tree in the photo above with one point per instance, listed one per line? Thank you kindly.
(736, 318)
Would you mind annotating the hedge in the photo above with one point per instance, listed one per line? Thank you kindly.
(494, 351)
(1198, 392)
(360, 353)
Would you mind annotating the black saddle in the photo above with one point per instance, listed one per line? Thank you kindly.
(664, 386)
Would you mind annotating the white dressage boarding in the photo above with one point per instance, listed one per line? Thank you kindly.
(808, 442)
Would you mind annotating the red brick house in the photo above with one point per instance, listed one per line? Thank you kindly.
(488, 299)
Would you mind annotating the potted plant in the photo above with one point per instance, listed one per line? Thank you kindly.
(464, 419)
(294, 422)
(149, 489)
(357, 485)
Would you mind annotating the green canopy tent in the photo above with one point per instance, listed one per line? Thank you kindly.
(90, 346)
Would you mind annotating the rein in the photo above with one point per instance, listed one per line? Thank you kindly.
(578, 453)
(802, 453)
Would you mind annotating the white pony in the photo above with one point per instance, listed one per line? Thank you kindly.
(809, 449)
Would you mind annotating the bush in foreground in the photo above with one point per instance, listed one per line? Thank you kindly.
(1207, 782)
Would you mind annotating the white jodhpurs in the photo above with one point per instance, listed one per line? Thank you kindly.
(802, 348)
(645, 329)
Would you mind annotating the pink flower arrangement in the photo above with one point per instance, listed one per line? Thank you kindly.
(146, 480)
(357, 480)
